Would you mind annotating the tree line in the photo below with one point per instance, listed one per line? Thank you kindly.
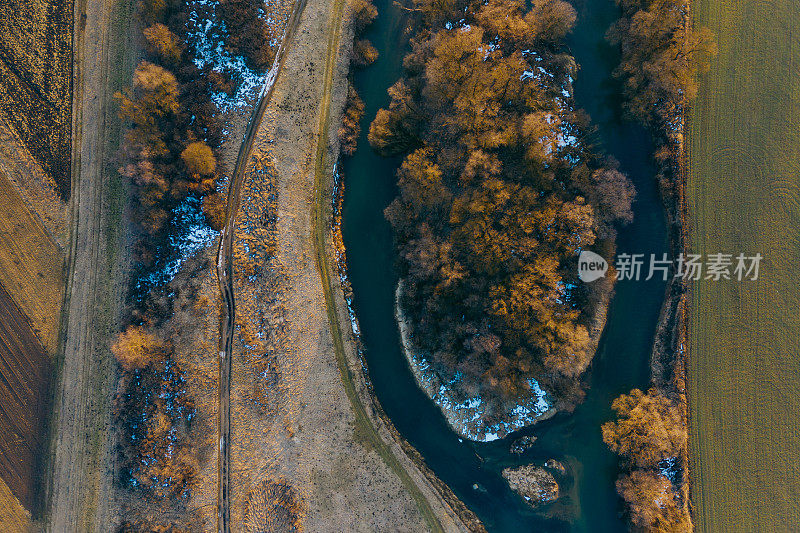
(650, 437)
(361, 15)
(169, 152)
(662, 54)
(499, 190)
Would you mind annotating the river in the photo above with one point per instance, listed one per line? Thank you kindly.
(472, 470)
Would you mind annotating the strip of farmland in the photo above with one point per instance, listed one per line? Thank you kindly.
(744, 195)
(36, 80)
(31, 265)
(24, 379)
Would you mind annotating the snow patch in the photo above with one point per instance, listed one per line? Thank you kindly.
(467, 415)
(206, 34)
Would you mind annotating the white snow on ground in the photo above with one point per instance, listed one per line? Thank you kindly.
(206, 34)
(340, 258)
(466, 416)
(564, 137)
(190, 235)
(195, 234)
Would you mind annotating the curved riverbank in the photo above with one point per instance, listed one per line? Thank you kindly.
(369, 419)
(365, 408)
(465, 415)
(473, 470)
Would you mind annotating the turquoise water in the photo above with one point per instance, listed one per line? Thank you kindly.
(622, 361)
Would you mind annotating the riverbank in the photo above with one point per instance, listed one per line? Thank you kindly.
(671, 346)
(450, 503)
(293, 425)
(659, 100)
(465, 414)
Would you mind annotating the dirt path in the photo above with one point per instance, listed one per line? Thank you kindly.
(311, 432)
(321, 231)
(224, 271)
(80, 483)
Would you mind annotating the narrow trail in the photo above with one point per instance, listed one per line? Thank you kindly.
(225, 274)
(321, 230)
(225, 269)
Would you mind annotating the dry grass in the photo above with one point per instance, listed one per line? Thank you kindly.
(273, 506)
(36, 187)
(291, 418)
(31, 265)
(13, 518)
(744, 194)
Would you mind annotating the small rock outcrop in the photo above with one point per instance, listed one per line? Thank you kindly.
(522, 444)
(534, 483)
(556, 466)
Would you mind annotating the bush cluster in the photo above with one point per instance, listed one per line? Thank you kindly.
(661, 56)
(650, 437)
(169, 153)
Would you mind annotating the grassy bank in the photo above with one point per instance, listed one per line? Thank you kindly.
(319, 219)
(744, 198)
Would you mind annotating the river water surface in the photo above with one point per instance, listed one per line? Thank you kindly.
(473, 470)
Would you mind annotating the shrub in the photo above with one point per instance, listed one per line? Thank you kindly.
(249, 35)
(214, 210)
(363, 12)
(163, 43)
(199, 159)
(351, 122)
(136, 348)
(364, 53)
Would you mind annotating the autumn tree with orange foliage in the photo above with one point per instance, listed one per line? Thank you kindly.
(199, 159)
(650, 437)
(662, 53)
(652, 503)
(648, 429)
(163, 43)
(137, 348)
(362, 13)
(498, 192)
(351, 121)
(214, 209)
(364, 54)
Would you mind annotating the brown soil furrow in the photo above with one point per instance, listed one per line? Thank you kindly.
(25, 371)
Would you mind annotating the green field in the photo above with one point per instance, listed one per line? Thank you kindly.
(744, 196)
